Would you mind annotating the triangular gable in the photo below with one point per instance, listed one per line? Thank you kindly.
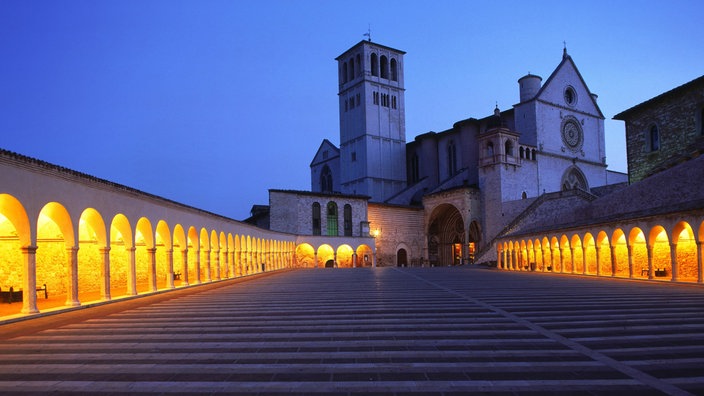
(332, 150)
(566, 73)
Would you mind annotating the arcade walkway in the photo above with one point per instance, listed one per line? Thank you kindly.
(430, 331)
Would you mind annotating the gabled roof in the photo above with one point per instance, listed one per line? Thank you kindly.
(318, 154)
(673, 92)
(567, 59)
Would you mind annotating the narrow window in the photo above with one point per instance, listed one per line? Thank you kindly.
(332, 219)
(359, 101)
(520, 152)
(351, 69)
(326, 180)
(384, 63)
(451, 159)
(490, 149)
(654, 138)
(394, 71)
(375, 65)
(316, 218)
(393, 102)
(414, 170)
(348, 220)
(344, 72)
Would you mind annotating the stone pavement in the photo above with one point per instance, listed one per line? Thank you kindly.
(386, 331)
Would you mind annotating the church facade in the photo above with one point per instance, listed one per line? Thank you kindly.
(442, 198)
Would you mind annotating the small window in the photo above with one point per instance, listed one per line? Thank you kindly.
(347, 225)
(570, 96)
(332, 219)
(490, 150)
(394, 70)
(384, 67)
(509, 148)
(393, 102)
(654, 138)
(316, 218)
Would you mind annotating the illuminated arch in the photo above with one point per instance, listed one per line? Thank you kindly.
(638, 253)
(604, 265)
(92, 266)
(121, 243)
(326, 256)
(565, 254)
(223, 262)
(577, 254)
(11, 210)
(547, 256)
(193, 256)
(180, 265)
(205, 247)
(619, 253)
(305, 256)
(365, 256)
(659, 242)
(589, 254)
(685, 252)
(344, 256)
(555, 255)
(164, 250)
(143, 243)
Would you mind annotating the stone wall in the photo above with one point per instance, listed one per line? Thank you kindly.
(399, 227)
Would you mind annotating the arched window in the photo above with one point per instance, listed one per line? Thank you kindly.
(326, 180)
(344, 72)
(532, 154)
(375, 65)
(490, 149)
(348, 220)
(509, 148)
(332, 219)
(574, 179)
(316, 218)
(351, 69)
(394, 70)
(384, 63)
(520, 152)
(451, 159)
(654, 138)
(359, 64)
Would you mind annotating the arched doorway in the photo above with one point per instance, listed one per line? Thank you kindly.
(446, 235)
(401, 258)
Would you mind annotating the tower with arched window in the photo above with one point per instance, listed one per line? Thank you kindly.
(372, 121)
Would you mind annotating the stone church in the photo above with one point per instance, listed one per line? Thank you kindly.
(442, 198)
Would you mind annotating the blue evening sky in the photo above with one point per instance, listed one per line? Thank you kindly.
(212, 103)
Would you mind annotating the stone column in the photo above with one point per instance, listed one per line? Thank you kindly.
(184, 270)
(700, 267)
(132, 272)
(72, 292)
(598, 260)
(498, 258)
(613, 260)
(208, 268)
(574, 265)
(217, 263)
(29, 280)
(630, 260)
(105, 272)
(675, 264)
(197, 267)
(562, 261)
(170, 268)
(226, 263)
(315, 259)
(151, 253)
(354, 260)
(651, 269)
(542, 256)
(233, 268)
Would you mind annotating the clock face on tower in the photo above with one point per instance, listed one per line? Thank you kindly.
(572, 134)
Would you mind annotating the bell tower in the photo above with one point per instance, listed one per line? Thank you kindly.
(372, 121)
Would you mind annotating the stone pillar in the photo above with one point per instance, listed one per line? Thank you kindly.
(675, 264)
(197, 267)
(233, 267)
(151, 253)
(542, 256)
(598, 260)
(132, 272)
(72, 292)
(700, 267)
(226, 263)
(630, 260)
(105, 272)
(354, 260)
(574, 265)
(217, 264)
(651, 270)
(613, 260)
(170, 268)
(315, 259)
(208, 268)
(334, 259)
(562, 262)
(184, 270)
(29, 280)
(498, 258)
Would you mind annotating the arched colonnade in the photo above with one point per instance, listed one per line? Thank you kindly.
(78, 254)
(668, 249)
(345, 254)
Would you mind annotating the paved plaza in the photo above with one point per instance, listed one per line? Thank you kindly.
(386, 331)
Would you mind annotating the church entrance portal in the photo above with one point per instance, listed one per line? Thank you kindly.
(446, 236)
(401, 258)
